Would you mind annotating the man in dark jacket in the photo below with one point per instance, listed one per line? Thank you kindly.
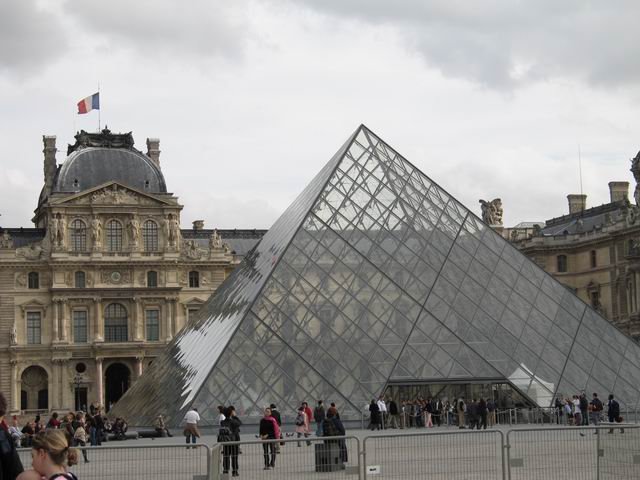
(394, 414)
(613, 412)
(482, 414)
(472, 412)
(584, 408)
(10, 464)
(318, 417)
(231, 425)
(374, 412)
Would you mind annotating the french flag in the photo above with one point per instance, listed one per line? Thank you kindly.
(92, 102)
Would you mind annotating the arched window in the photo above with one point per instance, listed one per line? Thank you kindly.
(34, 280)
(594, 259)
(194, 279)
(80, 279)
(78, 236)
(150, 236)
(115, 323)
(114, 236)
(562, 263)
(152, 279)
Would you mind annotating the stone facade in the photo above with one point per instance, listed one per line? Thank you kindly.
(92, 294)
(595, 252)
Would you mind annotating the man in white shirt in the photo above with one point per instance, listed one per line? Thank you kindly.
(383, 411)
(191, 431)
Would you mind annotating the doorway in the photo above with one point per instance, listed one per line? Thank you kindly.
(117, 378)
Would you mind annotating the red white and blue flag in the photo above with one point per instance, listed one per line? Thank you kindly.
(92, 102)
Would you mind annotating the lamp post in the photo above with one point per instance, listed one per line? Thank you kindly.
(77, 381)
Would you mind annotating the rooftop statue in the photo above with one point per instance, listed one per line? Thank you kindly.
(492, 211)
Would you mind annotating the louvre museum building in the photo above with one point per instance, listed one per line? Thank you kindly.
(376, 280)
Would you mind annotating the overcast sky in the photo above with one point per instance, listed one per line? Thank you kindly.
(251, 98)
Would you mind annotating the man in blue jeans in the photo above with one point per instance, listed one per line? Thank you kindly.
(191, 420)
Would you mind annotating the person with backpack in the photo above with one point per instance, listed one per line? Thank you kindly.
(230, 432)
(596, 410)
(302, 425)
(333, 427)
(269, 430)
(50, 457)
(319, 416)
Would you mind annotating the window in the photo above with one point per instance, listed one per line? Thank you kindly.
(153, 325)
(115, 323)
(80, 279)
(152, 279)
(78, 236)
(114, 236)
(34, 280)
(80, 326)
(150, 236)
(33, 328)
(562, 263)
(192, 313)
(194, 279)
(594, 259)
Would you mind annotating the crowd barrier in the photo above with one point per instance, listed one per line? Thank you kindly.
(605, 452)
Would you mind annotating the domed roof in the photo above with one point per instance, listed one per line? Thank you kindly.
(105, 157)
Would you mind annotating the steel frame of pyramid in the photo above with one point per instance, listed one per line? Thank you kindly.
(374, 275)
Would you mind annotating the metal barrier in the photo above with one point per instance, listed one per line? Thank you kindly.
(435, 455)
(313, 457)
(574, 453)
(139, 462)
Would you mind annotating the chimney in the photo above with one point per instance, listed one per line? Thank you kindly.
(153, 150)
(50, 166)
(577, 203)
(619, 191)
(198, 224)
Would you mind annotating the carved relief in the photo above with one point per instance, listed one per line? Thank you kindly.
(33, 251)
(114, 196)
(115, 277)
(192, 251)
(21, 280)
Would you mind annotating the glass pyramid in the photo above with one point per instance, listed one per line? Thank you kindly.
(375, 275)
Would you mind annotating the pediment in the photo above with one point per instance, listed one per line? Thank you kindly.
(112, 193)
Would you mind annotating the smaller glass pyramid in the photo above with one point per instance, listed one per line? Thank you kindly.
(376, 275)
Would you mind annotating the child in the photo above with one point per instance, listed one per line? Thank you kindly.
(50, 455)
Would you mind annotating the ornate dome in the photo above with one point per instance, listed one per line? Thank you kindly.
(97, 158)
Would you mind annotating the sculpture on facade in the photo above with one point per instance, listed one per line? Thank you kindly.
(30, 252)
(14, 334)
(5, 240)
(215, 241)
(134, 231)
(492, 211)
(96, 232)
(57, 231)
(635, 169)
(171, 230)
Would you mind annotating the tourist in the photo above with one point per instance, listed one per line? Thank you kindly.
(491, 408)
(482, 413)
(230, 452)
(472, 412)
(374, 416)
(393, 414)
(191, 431)
(10, 464)
(584, 408)
(80, 436)
(50, 457)
(333, 427)
(302, 425)
(14, 431)
(161, 427)
(382, 406)
(333, 405)
(67, 426)
(221, 415)
(461, 407)
(275, 413)
(568, 410)
(37, 425)
(577, 412)
(613, 412)
(28, 431)
(53, 421)
(269, 430)
(596, 408)
(98, 426)
(319, 416)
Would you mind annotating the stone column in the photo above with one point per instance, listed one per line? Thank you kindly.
(64, 384)
(98, 329)
(15, 396)
(54, 333)
(65, 322)
(138, 329)
(168, 319)
(99, 380)
(139, 360)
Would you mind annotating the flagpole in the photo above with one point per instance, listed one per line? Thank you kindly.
(99, 108)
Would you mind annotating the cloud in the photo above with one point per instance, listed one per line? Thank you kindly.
(505, 44)
(166, 28)
(31, 37)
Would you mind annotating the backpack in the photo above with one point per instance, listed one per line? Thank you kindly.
(597, 405)
(329, 428)
(224, 434)
(300, 419)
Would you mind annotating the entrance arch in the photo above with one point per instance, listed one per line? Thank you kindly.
(34, 390)
(117, 379)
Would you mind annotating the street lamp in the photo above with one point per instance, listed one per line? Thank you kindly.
(77, 381)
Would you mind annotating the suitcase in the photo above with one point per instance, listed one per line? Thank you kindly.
(328, 457)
